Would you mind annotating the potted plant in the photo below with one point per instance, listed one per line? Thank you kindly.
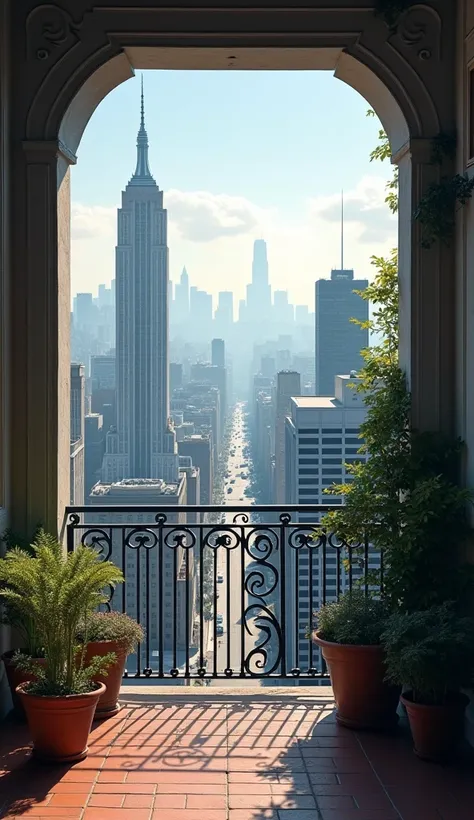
(23, 629)
(348, 633)
(57, 591)
(431, 653)
(102, 634)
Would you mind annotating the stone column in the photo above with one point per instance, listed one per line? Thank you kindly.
(427, 299)
(40, 346)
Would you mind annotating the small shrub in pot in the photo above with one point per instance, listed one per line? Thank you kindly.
(348, 633)
(431, 653)
(103, 633)
(57, 590)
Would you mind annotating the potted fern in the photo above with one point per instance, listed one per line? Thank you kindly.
(23, 627)
(106, 633)
(57, 591)
(348, 634)
(431, 653)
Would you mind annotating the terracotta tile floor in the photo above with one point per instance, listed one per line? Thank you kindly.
(255, 759)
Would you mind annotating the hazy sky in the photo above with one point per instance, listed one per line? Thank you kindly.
(239, 155)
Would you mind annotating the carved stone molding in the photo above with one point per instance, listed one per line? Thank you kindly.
(419, 30)
(50, 33)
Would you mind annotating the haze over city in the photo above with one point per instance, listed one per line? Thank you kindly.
(240, 156)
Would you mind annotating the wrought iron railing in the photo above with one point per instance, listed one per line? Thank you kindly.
(224, 592)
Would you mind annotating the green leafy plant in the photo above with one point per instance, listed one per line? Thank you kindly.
(381, 153)
(111, 626)
(437, 209)
(12, 616)
(431, 652)
(405, 496)
(356, 619)
(57, 591)
(391, 10)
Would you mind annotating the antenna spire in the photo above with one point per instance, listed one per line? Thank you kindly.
(142, 175)
(342, 230)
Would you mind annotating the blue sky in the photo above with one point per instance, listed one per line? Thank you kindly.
(239, 155)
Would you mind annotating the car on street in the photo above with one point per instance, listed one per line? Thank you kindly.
(220, 579)
(220, 629)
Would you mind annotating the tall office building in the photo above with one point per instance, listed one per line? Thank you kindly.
(76, 467)
(224, 315)
(200, 313)
(218, 352)
(283, 311)
(181, 299)
(259, 298)
(322, 437)
(143, 445)
(338, 341)
(288, 384)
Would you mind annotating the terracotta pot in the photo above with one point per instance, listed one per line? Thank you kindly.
(16, 676)
(108, 704)
(60, 726)
(437, 731)
(363, 699)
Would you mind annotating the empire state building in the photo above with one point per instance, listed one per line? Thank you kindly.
(144, 443)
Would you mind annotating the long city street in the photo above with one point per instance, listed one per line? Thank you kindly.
(234, 644)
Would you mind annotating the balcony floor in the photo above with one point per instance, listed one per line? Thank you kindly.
(228, 754)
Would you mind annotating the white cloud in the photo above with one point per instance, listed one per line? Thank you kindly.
(364, 207)
(92, 221)
(212, 234)
(201, 216)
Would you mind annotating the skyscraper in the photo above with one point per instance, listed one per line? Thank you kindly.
(181, 298)
(218, 352)
(259, 292)
(338, 341)
(288, 384)
(224, 315)
(144, 445)
(76, 466)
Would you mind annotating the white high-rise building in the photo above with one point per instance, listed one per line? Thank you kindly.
(322, 437)
(143, 445)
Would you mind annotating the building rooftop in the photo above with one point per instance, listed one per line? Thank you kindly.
(136, 485)
(316, 402)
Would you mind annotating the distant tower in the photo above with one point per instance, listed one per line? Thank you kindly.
(181, 298)
(143, 446)
(259, 297)
(338, 341)
(218, 352)
(288, 384)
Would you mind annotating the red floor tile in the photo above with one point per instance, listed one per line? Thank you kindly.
(170, 801)
(188, 814)
(189, 762)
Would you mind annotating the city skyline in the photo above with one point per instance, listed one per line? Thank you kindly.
(222, 193)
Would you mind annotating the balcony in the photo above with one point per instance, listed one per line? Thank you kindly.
(260, 741)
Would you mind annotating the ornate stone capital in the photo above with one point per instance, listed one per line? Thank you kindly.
(419, 31)
(50, 33)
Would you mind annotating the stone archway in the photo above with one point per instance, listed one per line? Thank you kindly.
(68, 55)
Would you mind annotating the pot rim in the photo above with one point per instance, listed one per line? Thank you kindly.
(351, 646)
(98, 691)
(456, 699)
(111, 641)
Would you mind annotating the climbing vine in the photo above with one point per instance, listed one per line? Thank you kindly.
(437, 209)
